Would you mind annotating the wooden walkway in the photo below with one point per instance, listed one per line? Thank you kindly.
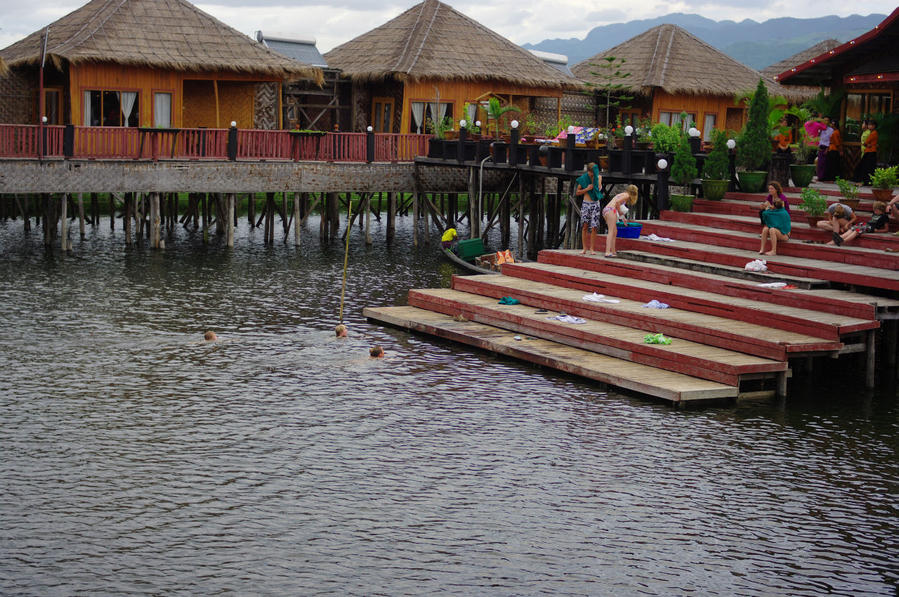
(588, 315)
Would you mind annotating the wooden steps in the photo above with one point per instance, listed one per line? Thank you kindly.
(840, 302)
(749, 241)
(722, 310)
(682, 356)
(786, 265)
(697, 326)
(667, 385)
(800, 230)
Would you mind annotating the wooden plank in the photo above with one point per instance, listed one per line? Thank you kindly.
(797, 320)
(674, 387)
(837, 302)
(714, 330)
(682, 356)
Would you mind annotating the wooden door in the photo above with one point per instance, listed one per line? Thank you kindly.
(382, 114)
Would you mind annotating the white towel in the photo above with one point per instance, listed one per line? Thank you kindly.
(654, 236)
(773, 284)
(756, 265)
(599, 298)
(568, 319)
(654, 304)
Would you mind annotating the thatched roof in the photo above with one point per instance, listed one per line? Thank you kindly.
(670, 58)
(3, 67)
(432, 40)
(164, 34)
(807, 54)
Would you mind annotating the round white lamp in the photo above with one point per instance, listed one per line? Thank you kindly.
(628, 130)
(514, 124)
(44, 119)
(462, 123)
(477, 123)
(233, 124)
(731, 143)
(694, 132)
(662, 164)
(369, 128)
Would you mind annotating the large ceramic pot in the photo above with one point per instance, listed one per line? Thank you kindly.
(813, 220)
(852, 203)
(802, 174)
(882, 194)
(752, 181)
(681, 202)
(714, 190)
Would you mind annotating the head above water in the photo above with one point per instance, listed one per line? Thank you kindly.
(340, 331)
(376, 352)
(210, 336)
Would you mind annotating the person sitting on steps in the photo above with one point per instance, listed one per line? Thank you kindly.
(879, 222)
(776, 227)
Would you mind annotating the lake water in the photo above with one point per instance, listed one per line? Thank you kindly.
(282, 461)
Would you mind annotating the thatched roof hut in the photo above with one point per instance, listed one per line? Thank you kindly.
(432, 40)
(807, 91)
(163, 34)
(3, 67)
(670, 58)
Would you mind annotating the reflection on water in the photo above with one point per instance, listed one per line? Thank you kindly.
(282, 460)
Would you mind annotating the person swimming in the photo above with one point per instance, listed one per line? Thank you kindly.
(376, 352)
(210, 336)
(340, 331)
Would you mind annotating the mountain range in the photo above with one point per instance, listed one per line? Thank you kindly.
(755, 44)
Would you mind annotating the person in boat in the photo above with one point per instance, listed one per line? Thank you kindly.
(340, 331)
(376, 352)
(615, 209)
(776, 227)
(449, 238)
(589, 186)
(210, 336)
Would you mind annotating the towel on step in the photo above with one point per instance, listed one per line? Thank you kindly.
(654, 236)
(599, 298)
(756, 265)
(654, 304)
(568, 319)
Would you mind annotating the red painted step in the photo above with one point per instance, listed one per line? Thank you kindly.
(805, 299)
(711, 329)
(682, 356)
(793, 319)
(848, 255)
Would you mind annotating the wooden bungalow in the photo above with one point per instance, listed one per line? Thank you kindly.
(150, 63)
(866, 69)
(429, 62)
(672, 71)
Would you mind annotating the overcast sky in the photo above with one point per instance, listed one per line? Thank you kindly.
(521, 21)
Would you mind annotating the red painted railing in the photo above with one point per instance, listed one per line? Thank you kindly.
(124, 143)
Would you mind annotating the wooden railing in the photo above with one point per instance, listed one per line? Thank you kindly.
(124, 143)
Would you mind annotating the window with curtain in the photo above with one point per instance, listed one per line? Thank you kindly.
(436, 112)
(418, 117)
(709, 122)
(110, 108)
(673, 119)
(162, 110)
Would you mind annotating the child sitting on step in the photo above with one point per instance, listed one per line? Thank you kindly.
(879, 222)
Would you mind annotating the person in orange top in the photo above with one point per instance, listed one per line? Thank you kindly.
(833, 153)
(783, 140)
(869, 155)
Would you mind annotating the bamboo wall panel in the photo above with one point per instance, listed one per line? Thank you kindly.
(236, 102)
(199, 105)
(694, 104)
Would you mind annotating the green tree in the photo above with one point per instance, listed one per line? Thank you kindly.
(754, 145)
(716, 165)
(683, 170)
(495, 111)
(612, 84)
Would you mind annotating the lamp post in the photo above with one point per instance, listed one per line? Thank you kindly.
(732, 165)
(662, 198)
(626, 154)
(514, 138)
(695, 141)
(369, 144)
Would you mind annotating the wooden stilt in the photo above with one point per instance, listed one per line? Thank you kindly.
(521, 213)
(391, 217)
(415, 219)
(368, 219)
(126, 219)
(229, 237)
(204, 208)
(298, 200)
(155, 221)
(111, 211)
(871, 357)
(81, 215)
(64, 222)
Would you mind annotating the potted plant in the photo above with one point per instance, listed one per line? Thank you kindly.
(813, 204)
(683, 171)
(882, 182)
(755, 143)
(495, 112)
(849, 190)
(665, 139)
(716, 168)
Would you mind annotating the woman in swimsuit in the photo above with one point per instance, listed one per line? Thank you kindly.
(610, 214)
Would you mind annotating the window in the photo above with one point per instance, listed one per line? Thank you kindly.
(709, 122)
(382, 114)
(53, 106)
(162, 110)
(436, 112)
(673, 119)
(111, 108)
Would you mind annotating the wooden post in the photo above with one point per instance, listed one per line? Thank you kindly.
(533, 220)
(204, 210)
(126, 219)
(251, 209)
(521, 213)
(111, 211)
(154, 221)
(298, 200)
(368, 219)
(391, 217)
(334, 217)
(871, 362)
(232, 199)
(415, 218)
(474, 212)
(64, 222)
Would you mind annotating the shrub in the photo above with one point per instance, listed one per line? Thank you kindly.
(754, 148)
(717, 166)
(665, 139)
(813, 202)
(885, 178)
(683, 171)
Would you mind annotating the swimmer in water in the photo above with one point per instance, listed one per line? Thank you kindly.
(210, 336)
(340, 331)
(376, 352)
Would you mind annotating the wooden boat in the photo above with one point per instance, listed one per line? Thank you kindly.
(467, 265)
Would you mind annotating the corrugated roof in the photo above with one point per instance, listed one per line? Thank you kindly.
(302, 50)
(432, 40)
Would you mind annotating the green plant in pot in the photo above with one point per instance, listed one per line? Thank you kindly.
(683, 172)
(495, 112)
(882, 182)
(803, 170)
(665, 139)
(813, 204)
(849, 190)
(754, 144)
(716, 167)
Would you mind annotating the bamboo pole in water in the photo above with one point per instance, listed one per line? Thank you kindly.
(64, 222)
(368, 219)
(81, 214)
(391, 216)
(232, 199)
(297, 218)
(154, 221)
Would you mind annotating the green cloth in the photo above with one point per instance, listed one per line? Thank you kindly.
(508, 300)
(583, 181)
(777, 218)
